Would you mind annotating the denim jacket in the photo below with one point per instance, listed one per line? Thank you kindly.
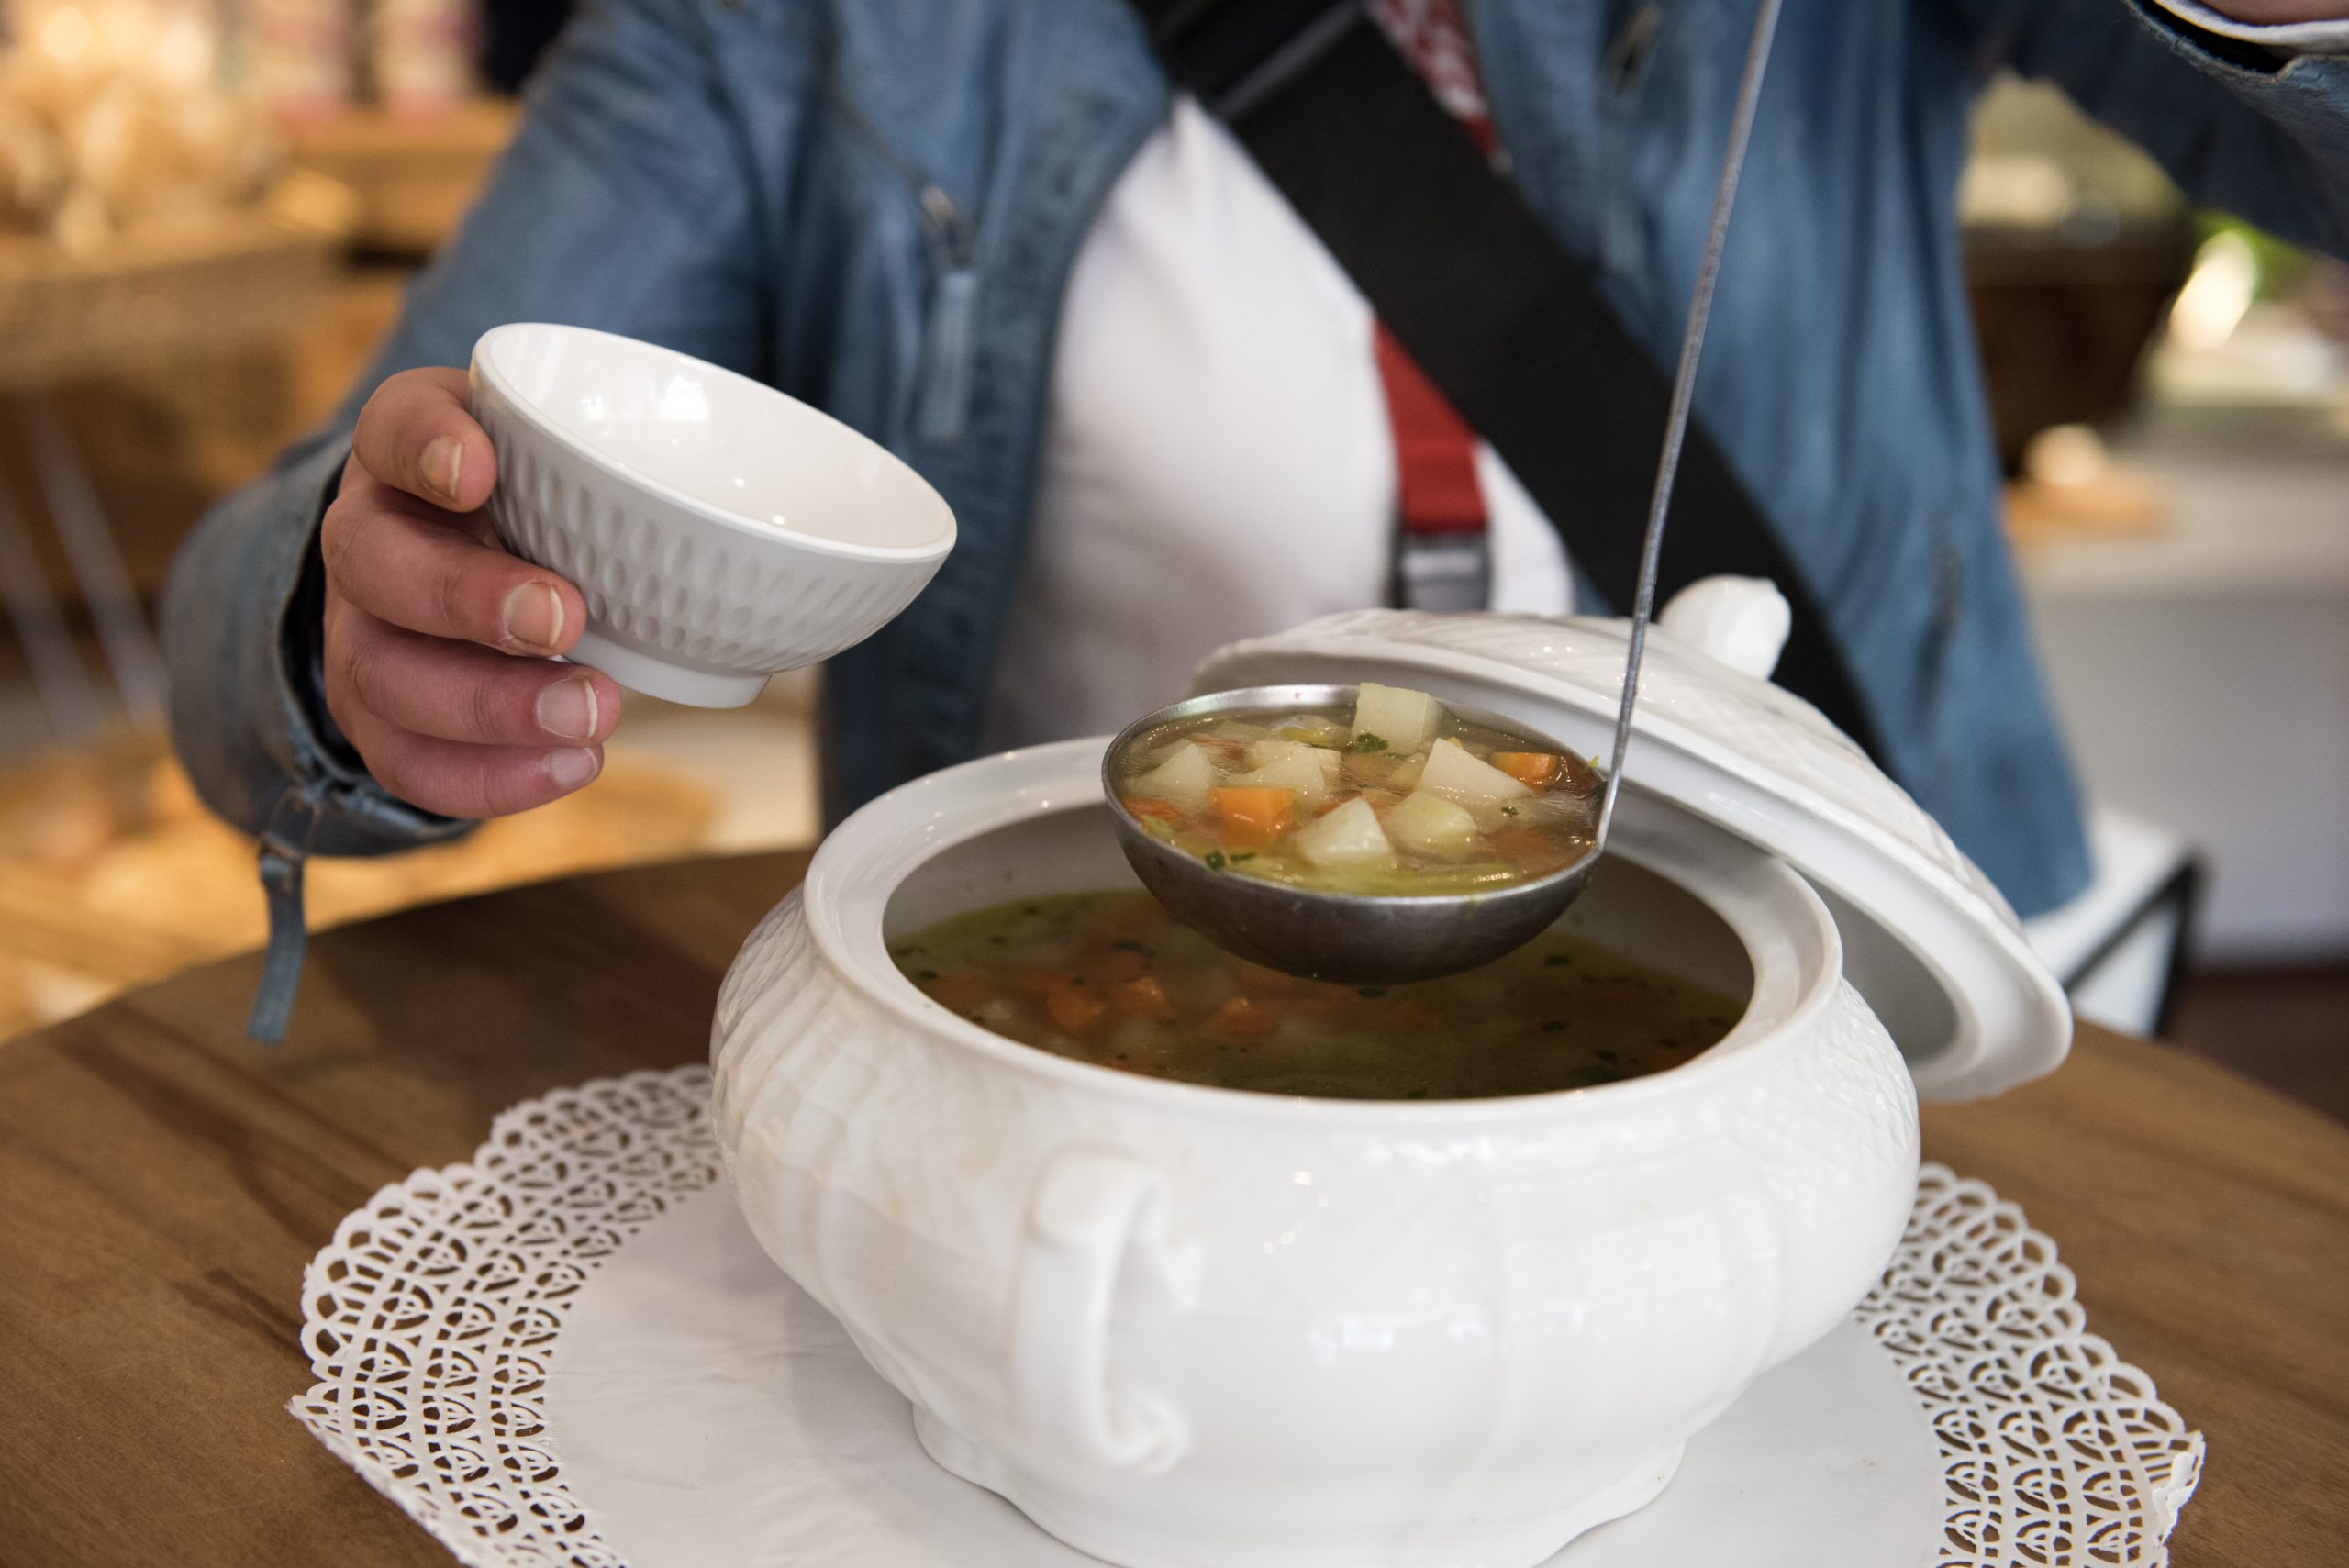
(874, 204)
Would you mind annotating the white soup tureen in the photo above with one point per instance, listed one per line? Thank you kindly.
(1182, 1326)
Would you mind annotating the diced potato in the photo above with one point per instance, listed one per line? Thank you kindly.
(1331, 763)
(1184, 778)
(1426, 824)
(1406, 775)
(1405, 720)
(1296, 767)
(1457, 776)
(1349, 836)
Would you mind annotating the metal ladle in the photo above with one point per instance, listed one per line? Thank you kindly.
(1359, 939)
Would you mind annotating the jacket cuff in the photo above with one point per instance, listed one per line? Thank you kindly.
(241, 661)
(363, 818)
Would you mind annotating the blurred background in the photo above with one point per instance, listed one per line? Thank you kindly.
(208, 211)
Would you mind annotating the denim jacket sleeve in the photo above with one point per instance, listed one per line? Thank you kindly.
(2261, 132)
(622, 204)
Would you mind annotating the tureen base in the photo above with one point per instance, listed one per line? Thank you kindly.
(1130, 1543)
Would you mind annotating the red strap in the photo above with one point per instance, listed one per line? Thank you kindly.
(1435, 451)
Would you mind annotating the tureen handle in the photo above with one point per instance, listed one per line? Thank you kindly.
(1741, 621)
(1097, 1215)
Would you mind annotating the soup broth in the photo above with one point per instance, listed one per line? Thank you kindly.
(1110, 979)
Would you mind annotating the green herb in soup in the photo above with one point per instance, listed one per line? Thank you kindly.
(1112, 980)
(1398, 797)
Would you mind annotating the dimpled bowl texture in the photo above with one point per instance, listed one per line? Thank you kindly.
(1181, 1326)
(720, 530)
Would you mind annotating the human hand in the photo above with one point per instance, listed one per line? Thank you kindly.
(437, 640)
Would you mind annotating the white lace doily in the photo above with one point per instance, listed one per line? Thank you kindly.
(431, 1320)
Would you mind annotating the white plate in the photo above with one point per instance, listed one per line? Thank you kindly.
(708, 1412)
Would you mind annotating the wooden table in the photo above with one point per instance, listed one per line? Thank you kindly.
(163, 1182)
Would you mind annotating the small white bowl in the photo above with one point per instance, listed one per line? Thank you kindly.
(722, 531)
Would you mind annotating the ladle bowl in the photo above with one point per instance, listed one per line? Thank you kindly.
(1352, 938)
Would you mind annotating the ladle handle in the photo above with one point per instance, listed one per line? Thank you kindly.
(1683, 391)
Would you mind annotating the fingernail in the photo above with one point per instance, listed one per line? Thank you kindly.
(533, 614)
(570, 768)
(568, 708)
(444, 464)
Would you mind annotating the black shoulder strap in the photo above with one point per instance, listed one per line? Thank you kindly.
(1509, 325)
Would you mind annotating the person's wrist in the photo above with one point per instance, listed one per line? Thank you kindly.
(302, 643)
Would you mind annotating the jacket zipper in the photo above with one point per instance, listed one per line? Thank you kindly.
(949, 331)
(942, 393)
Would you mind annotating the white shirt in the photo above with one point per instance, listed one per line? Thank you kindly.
(1217, 461)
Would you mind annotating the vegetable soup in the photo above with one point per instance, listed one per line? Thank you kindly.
(1112, 979)
(1396, 798)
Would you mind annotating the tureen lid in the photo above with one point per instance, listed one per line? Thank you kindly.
(1928, 941)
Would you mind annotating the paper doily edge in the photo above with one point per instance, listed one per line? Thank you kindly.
(444, 1191)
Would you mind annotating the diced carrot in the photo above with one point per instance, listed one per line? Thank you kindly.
(960, 991)
(1269, 811)
(1252, 819)
(1244, 838)
(1068, 1001)
(1241, 1018)
(1535, 770)
(1142, 998)
(1142, 806)
(1073, 1009)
